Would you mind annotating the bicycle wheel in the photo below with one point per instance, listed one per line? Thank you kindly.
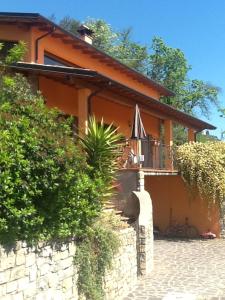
(169, 232)
(192, 232)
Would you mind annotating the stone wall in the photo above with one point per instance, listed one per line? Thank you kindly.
(47, 272)
(123, 275)
(44, 272)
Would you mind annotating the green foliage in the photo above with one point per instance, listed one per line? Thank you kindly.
(222, 115)
(118, 44)
(93, 257)
(70, 24)
(204, 138)
(16, 53)
(169, 66)
(179, 135)
(164, 64)
(95, 252)
(202, 165)
(104, 38)
(46, 189)
(131, 53)
(102, 144)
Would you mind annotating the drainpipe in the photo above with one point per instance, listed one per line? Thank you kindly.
(94, 94)
(40, 38)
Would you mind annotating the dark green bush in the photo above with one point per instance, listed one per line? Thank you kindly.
(45, 187)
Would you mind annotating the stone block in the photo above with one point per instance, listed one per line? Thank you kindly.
(67, 283)
(68, 294)
(20, 259)
(11, 286)
(47, 251)
(66, 273)
(17, 272)
(23, 283)
(17, 296)
(30, 259)
(61, 255)
(30, 291)
(44, 269)
(3, 290)
(41, 261)
(32, 271)
(42, 283)
(65, 263)
(4, 276)
(53, 280)
(72, 249)
(8, 261)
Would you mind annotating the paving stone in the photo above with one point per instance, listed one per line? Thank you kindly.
(193, 269)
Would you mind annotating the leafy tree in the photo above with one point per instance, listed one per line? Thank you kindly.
(118, 44)
(70, 24)
(169, 67)
(131, 53)
(164, 64)
(222, 115)
(104, 38)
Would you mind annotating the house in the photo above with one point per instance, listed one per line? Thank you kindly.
(80, 80)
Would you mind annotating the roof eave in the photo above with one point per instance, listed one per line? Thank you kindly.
(165, 109)
(162, 89)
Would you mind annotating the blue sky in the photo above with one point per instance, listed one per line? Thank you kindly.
(196, 27)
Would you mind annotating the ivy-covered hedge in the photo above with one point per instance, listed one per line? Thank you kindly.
(202, 166)
(46, 190)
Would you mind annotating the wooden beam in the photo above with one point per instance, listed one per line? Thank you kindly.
(58, 35)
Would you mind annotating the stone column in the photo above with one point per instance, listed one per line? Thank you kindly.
(144, 229)
(140, 181)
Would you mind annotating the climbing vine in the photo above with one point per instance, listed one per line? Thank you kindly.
(93, 257)
(202, 165)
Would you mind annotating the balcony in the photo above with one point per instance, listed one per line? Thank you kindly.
(148, 155)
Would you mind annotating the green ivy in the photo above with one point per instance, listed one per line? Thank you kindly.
(202, 165)
(93, 257)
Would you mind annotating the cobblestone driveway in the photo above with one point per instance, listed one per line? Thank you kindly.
(190, 270)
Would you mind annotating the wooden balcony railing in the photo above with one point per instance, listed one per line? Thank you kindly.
(149, 154)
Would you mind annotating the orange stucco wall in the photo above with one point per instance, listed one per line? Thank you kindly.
(122, 116)
(65, 98)
(59, 95)
(170, 195)
(15, 33)
(67, 52)
(76, 56)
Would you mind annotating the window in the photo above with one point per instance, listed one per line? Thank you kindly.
(7, 45)
(48, 60)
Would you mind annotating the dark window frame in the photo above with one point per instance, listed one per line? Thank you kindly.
(59, 60)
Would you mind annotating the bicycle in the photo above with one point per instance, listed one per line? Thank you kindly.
(182, 230)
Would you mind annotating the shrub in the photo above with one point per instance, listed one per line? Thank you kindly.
(94, 256)
(202, 165)
(102, 145)
(46, 188)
